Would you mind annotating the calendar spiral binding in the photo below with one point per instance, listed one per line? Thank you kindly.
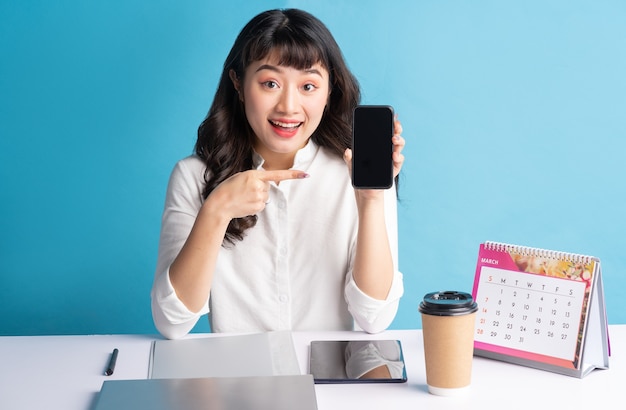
(539, 252)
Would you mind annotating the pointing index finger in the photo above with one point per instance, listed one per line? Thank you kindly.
(282, 174)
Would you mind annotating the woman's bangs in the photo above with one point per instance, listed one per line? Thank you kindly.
(289, 53)
(299, 56)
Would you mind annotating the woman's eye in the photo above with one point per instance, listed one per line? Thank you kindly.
(309, 87)
(270, 84)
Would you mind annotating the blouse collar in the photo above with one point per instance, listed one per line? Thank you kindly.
(303, 157)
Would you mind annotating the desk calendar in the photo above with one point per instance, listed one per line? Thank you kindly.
(540, 308)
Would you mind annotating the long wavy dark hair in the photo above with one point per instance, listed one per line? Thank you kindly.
(225, 139)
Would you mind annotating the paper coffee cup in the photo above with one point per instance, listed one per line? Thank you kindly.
(448, 330)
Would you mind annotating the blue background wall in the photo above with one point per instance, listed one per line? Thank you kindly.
(513, 111)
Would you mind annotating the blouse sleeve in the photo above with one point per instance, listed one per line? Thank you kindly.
(182, 204)
(373, 315)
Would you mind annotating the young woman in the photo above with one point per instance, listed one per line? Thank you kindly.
(262, 229)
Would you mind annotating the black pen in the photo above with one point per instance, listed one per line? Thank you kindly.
(111, 366)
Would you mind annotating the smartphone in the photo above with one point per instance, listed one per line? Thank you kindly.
(372, 129)
(357, 361)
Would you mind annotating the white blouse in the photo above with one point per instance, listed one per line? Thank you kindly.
(293, 270)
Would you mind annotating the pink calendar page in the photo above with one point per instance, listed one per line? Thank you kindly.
(532, 303)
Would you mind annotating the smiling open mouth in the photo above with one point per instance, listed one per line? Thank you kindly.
(285, 125)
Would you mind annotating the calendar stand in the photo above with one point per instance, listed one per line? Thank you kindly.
(540, 308)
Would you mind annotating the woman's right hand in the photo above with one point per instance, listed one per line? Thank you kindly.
(243, 194)
(247, 193)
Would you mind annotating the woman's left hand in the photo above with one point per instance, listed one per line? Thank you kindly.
(398, 146)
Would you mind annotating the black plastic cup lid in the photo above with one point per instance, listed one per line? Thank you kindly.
(448, 303)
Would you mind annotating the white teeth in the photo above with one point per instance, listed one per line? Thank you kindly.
(286, 125)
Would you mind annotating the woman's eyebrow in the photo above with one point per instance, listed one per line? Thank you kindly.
(278, 69)
(268, 67)
(313, 71)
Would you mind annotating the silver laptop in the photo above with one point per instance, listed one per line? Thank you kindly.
(224, 393)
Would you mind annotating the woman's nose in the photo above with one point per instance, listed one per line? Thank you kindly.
(289, 100)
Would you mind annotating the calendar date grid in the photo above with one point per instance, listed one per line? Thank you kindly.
(532, 313)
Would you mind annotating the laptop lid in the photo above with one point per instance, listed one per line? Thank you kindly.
(224, 393)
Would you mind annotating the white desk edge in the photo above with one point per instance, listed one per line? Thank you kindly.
(66, 372)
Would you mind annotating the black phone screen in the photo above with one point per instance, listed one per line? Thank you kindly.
(372, 130)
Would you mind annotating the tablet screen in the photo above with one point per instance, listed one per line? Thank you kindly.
(357, 361)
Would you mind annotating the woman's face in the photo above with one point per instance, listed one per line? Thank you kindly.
(283, 106)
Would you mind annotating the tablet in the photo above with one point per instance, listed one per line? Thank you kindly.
(357, 361)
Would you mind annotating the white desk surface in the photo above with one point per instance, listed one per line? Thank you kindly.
(66, 372)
